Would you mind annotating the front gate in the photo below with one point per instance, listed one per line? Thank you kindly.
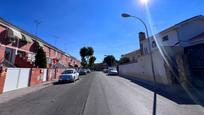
(196, 64)
(16, 78)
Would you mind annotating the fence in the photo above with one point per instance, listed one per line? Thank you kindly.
(15, 78)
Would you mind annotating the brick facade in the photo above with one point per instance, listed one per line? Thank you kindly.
(47, 51)
(2, 51)
(25, 48)
(37, 72)
(35, 76)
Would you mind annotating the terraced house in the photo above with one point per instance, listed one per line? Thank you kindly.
(18, 49)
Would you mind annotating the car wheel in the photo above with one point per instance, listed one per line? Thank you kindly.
(74, 78)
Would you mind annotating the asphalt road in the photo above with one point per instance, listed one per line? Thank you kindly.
(96, 94)
(60, 99)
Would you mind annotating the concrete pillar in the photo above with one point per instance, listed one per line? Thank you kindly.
(2, 53)
(183, 68)
(168, 74)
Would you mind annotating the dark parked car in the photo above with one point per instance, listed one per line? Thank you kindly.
(105, 70)
(82, 72)
(88, 70)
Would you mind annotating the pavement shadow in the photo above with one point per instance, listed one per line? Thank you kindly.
(175, 93)
(61, 83)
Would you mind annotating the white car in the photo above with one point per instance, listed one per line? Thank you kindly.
(112, 71)
(69, 75)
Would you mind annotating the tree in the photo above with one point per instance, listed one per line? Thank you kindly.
(87, 58)
(90, 51)
(124, 60)
(83, 52)
(110, 60)
(83, 62)
(92, 59)
(40, 58)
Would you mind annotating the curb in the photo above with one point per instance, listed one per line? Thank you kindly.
(10, 95)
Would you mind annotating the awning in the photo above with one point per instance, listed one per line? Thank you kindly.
(40, 44)
(27, 38)
(14, 33)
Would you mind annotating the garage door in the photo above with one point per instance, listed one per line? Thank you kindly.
(16, 78)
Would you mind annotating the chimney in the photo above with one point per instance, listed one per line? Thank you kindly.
(142, 37)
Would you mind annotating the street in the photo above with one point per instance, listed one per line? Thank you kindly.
(96, 94)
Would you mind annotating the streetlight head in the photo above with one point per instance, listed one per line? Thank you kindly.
(125, 15)
(144, 1)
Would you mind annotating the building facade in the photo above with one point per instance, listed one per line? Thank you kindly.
(18, 49)
(133, 56)
(178, 54)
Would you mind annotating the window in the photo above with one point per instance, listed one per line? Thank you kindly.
(145, 51)
(68, 72)
(8, 54)
(165, 38)
(154, 44)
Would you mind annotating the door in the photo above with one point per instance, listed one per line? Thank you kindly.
(23, 77)
(16, 78)
(44, 74)
(11, 81)
(196, 64)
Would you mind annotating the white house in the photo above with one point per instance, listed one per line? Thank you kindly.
(178, 54)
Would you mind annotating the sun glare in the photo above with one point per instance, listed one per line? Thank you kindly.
(144, 1)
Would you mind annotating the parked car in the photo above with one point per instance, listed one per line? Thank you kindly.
(105, 70)
(88, 70)
(82, 72)
(69, 75)
(112, 71)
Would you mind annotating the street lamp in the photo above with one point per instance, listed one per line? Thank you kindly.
(125, 15)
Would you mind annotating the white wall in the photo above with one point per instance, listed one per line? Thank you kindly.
(23, 77)
(16, 78)
(143, 70)
(173, 38)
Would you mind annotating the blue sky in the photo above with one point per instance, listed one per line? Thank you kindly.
(95, 23)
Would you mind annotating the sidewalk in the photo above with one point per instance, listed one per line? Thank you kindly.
(7, 96)
(176, 93)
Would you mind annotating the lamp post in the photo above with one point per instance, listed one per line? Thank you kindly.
(125, 15)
